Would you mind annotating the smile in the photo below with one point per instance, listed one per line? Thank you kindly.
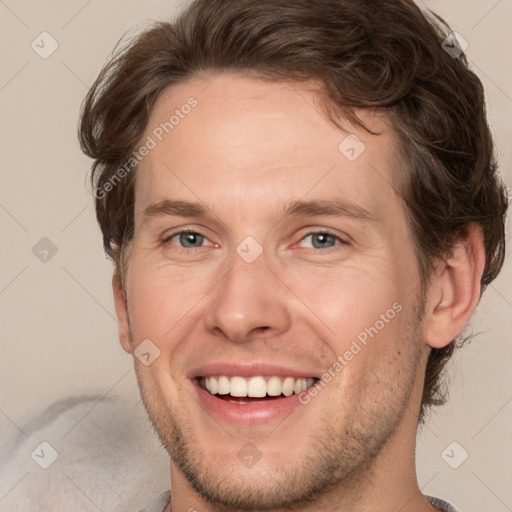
(235, 387)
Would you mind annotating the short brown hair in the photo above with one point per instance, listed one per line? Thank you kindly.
(383, 54)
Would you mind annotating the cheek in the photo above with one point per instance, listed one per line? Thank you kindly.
(349, 300)
(162, 299)
(365, 315)
(372, 367)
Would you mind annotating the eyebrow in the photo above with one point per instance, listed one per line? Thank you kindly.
(327, 208)
(169, 207)
(301, 208)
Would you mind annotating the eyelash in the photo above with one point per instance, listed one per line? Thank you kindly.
(311, 233)
(327, 233)
(167, 240)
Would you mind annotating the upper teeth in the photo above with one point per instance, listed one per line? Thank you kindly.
(255, 386)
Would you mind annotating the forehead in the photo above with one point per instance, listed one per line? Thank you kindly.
(237, 139)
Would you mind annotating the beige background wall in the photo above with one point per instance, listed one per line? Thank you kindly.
(58, 329)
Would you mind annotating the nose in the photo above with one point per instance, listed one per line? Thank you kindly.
(249, 302)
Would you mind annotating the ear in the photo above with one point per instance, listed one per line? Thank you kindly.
(455, 289)
(121, 313)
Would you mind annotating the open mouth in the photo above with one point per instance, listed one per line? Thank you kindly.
(257, 389)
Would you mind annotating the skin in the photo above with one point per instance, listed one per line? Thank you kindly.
(246, 150)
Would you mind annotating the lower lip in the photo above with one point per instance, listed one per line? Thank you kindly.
(256, 413)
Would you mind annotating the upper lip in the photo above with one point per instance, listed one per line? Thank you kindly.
(250, 370)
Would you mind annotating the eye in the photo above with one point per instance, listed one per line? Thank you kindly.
(320, 240)
(188, 239)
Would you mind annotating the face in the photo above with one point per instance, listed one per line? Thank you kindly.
(271, 267)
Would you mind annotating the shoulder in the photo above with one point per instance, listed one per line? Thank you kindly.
(440, 504)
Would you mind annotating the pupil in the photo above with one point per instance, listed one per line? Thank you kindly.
(321, 240)
(190, 239)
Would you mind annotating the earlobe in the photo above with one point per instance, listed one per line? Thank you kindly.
(455, 289)
(121, 313)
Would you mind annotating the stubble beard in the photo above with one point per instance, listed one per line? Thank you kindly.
(340, 456)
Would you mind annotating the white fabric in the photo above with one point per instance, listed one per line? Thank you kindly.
(158, 504)
(111, 460)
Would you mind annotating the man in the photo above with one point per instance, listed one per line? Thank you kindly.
(303, 208)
